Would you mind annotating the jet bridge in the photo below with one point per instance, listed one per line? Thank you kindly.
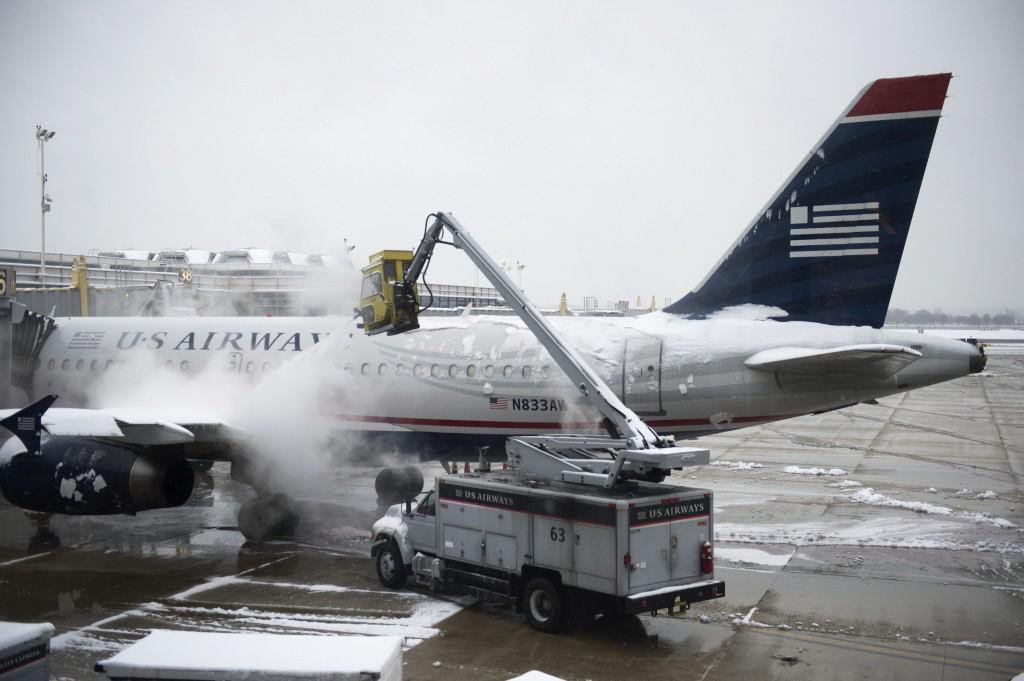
(633, 449)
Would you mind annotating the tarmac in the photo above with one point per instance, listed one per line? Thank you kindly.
(901, 557)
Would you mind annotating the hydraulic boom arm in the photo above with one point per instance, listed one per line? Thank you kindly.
(628, 425)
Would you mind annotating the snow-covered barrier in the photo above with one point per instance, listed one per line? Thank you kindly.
(25, 651)
(166, 654)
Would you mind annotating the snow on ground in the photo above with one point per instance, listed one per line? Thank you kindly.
(796, 470)
(869, 496)
(737, 554)
(738, 465)
(845, 483)
(892, 532)
(993, 334)
(179, 612)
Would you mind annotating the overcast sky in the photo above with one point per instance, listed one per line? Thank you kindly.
(616, 149)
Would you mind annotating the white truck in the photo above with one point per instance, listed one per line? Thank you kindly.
(557, 550)
(579, 522)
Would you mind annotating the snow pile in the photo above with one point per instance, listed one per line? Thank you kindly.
(749, 312)
(738, 465)
(844, 483)
(752, 556)
(987, 494)
(868, 496)
(535, 675)
(796, 470)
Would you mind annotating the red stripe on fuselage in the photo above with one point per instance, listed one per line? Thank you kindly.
(541, 425)
(902, 95)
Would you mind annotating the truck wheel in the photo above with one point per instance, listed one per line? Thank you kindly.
(544, 605)
(390, 568)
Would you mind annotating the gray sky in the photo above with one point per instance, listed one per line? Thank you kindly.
(617, 149)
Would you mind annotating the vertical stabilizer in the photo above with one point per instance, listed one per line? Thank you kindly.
(827, 247)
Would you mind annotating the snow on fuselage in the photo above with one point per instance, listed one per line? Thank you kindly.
(489, 375)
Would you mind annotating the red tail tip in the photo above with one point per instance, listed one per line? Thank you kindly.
(903, 95)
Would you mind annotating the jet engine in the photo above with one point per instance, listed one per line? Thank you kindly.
(75, 476)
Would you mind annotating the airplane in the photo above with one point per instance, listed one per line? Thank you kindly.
(787, 323)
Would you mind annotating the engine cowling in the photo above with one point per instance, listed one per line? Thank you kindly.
(75, 476)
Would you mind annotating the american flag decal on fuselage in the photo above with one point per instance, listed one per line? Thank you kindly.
(86, 340)
(833, 229)
(498, 402)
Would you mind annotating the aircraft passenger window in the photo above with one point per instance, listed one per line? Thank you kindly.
(110, 363)
(489, 370)
(471, 371)
(435, 371)
(184, 365)
(52, 363)
(93, 365)
(507, 371)
(266, 366)
(382, 369)
(453, 371)
(168, 364)
(420, 371)
(527, 372)
(365, 369)
(545, 371)
(399, 370)
(250, 367)
(65, 364)
(79, 365)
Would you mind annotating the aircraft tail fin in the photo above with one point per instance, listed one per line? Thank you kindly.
(27, 423)
(827, 246)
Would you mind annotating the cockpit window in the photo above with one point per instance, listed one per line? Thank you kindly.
(371, 285)
(426, 504)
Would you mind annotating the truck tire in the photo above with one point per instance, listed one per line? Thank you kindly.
(390, 567)
(544, 605)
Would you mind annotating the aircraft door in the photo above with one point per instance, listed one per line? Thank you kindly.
(641, 375)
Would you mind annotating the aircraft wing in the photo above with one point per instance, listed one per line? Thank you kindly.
(135, 426)
(876, 359)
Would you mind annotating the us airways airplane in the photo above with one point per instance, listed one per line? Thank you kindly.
(787, 323)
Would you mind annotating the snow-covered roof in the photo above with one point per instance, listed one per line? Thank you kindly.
(192, 256)
(258, 256)
(127, 253)
(13, 634)
(168, 654)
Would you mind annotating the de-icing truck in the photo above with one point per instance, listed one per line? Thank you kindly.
(577, 523)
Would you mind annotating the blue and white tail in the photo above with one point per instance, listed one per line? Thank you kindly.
(827, 247)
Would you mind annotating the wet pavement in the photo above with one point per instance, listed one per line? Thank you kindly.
(903, 557)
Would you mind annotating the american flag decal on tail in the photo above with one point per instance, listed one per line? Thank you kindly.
(833, 229)
(498, 402)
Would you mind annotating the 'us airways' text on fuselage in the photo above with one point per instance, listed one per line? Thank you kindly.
(212, 340)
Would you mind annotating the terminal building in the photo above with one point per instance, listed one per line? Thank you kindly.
(239, 282)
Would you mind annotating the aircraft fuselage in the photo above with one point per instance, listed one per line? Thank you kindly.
(488, 376)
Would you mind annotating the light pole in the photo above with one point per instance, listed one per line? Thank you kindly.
(42, 137)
